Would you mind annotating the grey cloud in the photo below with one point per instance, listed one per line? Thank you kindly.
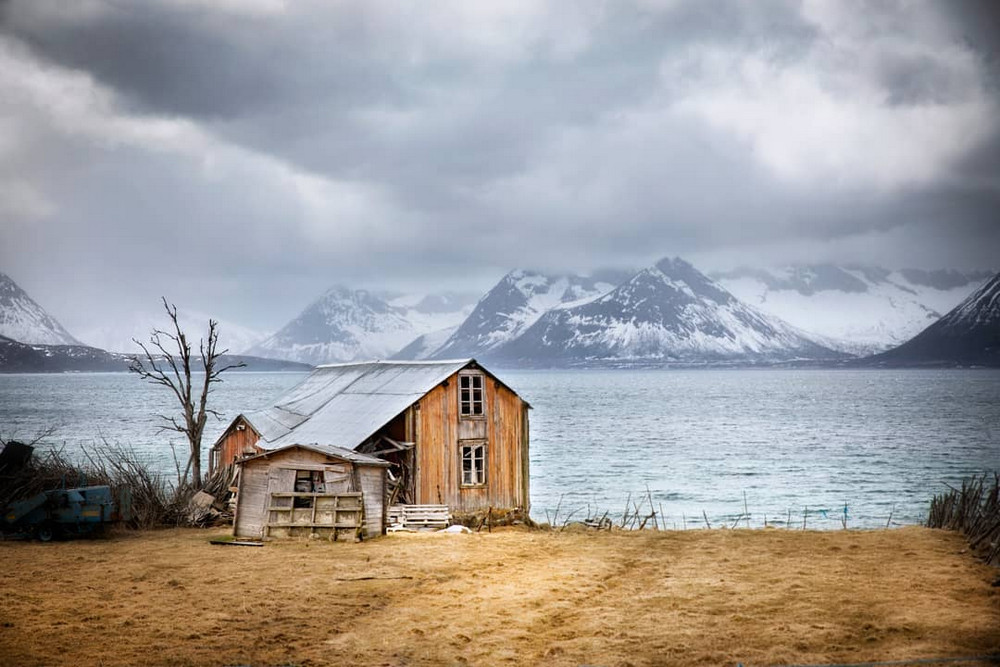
(482, 155)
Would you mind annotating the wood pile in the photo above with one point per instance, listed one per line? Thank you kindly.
(413, 517)
(973, 510)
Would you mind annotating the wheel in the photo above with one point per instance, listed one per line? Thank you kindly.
(46, 532)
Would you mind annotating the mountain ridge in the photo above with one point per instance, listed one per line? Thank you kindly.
(345, 324)
(853, 308)
(665, 314)
(23, 320)
(968, 335)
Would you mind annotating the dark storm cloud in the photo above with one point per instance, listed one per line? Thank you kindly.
(266, 149)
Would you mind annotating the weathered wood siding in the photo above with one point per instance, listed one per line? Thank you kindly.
(234, 444)
(249, 520)
(440, 431)
(258, 479)
(373, 496)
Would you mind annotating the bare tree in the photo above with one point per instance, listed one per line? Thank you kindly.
(168, 360)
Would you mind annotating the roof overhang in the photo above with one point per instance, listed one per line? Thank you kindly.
(332, 451)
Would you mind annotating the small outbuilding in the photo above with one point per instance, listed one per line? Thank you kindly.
(302, 490)
(451, 433)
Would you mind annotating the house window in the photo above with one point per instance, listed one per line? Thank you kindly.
(474, 465)
(470, 395)
(307, 481)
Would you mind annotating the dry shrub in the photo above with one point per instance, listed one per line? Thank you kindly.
(973, 510)
(147, 497)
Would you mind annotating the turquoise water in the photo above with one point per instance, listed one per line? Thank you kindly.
(877, 441)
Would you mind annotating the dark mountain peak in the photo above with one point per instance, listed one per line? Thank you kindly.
(8, 288)
(981, 310)
(969, 334)
(679, 275)
(10, 291)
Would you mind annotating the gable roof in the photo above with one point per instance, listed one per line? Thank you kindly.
(329, 450)
(344, 404)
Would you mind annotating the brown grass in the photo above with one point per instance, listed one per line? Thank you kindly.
(718, 597)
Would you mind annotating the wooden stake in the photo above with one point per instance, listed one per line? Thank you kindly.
(656, 523)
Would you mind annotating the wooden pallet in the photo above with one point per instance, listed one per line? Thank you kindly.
(412, 517)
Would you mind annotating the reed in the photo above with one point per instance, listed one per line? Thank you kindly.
(974, 511)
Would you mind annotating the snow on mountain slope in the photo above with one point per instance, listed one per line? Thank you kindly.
(117, 336)
(349, 325)
(23, 320)
(425, 345)
(669, 313)
(969, 334)
(513, 305)
(860, 310)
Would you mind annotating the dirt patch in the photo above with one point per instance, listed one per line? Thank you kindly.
(718, 597)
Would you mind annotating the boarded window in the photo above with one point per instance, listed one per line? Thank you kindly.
(470, 395)
(473, 465)
(308, 481)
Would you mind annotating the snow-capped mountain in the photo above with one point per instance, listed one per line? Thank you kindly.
(117, 335)
(969, 334)
(348, 325)
(511, 307)
(859, 310)
(669, 313)
(23, 320)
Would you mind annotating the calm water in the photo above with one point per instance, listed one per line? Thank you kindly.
(878, 441)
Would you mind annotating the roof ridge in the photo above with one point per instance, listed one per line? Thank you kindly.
(392, 362)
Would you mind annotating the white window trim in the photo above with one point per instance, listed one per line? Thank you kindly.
(472, 396)
(483, 470)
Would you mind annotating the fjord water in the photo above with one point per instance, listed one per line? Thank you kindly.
(878, 441)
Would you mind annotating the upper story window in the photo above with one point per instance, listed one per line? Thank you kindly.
(470, 395)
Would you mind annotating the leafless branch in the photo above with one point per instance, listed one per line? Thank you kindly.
(167, 361)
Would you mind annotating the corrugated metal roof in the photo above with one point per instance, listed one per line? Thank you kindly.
(344, 404)
(330, 450)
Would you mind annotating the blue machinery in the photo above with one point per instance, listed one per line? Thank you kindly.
(64, 512)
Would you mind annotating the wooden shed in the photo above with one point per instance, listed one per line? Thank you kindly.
(452, 432)
(299, 490)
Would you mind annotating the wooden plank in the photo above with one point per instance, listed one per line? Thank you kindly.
(294, 494)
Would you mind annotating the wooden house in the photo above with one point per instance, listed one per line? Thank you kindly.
(451, 431)
(299, 490)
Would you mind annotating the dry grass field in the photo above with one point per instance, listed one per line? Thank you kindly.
(722, 597)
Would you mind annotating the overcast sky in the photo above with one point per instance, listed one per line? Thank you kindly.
(241, 156)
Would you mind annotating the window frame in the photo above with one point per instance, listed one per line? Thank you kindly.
(316, 482)
(478, 473)
(472, 378)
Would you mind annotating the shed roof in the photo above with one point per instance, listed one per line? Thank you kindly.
(329, 450)
(344, 404)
